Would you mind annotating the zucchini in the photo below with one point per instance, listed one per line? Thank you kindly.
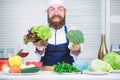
(30, 70)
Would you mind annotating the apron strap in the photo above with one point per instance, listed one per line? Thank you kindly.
(66, 32)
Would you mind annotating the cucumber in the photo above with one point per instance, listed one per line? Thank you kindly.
(30, 70)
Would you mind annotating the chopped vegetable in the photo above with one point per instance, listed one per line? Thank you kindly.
(62, 67)
(75, 37)
(98, 65)
(38, 33)
(113, 59)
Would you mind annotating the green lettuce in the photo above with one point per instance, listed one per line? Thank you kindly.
(113, 59)
(98, 65)
(38, 33)
(43, 32)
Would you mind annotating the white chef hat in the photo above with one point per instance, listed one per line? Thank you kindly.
(59, 2)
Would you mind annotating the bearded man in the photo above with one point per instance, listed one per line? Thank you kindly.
(57, 48)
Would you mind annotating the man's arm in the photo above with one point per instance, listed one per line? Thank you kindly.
(75, 51)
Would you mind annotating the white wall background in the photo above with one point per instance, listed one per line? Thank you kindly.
(17, 16)
(115, 21)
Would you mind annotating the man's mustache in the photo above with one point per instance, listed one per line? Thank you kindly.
(56, 16)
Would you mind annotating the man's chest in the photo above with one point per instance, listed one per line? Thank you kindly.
(58, 37)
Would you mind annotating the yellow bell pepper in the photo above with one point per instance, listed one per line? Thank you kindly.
(15, 61)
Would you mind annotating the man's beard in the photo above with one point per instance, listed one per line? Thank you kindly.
(56, 25)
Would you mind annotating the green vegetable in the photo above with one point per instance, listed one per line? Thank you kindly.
(38, 33)
(30, 70)
(113, 59)
(42, 32)
(62, 67)
(75, 37)
(98, 65)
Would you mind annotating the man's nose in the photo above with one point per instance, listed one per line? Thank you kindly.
(56, 12)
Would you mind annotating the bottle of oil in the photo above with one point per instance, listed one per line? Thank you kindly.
(103, 49)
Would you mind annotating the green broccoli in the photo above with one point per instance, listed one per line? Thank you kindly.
(75, 37)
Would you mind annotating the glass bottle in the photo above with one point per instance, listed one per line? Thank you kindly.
(103, 49)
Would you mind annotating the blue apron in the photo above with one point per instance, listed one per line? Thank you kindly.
(57, 53)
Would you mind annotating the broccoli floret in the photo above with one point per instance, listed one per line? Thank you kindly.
(75, 37)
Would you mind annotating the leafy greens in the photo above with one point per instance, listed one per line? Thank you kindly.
(62, 67)
(113, 59)
(38, 33)
(98, 65)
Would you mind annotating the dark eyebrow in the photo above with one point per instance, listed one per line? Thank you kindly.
(61, 7)
(50, 7)
(53, 7)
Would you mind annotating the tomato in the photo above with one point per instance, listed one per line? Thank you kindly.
(14, 69)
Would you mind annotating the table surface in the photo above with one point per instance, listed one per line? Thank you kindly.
(49, 75)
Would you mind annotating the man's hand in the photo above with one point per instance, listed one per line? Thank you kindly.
(41, 45)
(75, 48)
